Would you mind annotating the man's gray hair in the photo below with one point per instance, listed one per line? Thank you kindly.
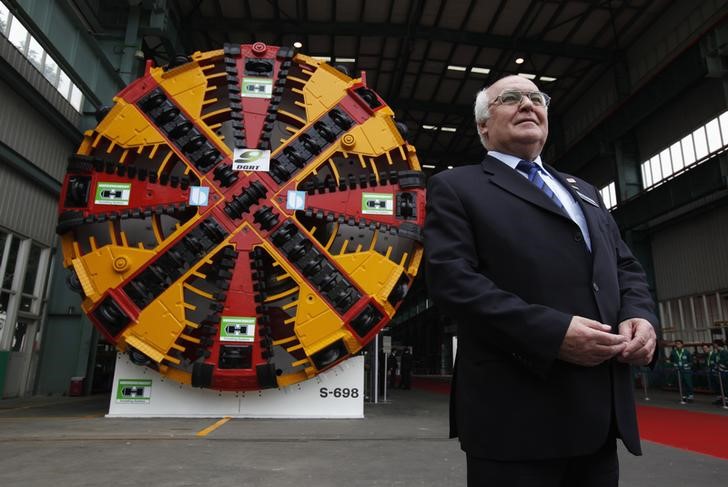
(481, 106)
(481, 111)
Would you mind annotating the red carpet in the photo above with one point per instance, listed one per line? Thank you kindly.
(432, 384)
(699, 432)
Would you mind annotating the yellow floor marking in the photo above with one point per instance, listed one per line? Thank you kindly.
(214, 426)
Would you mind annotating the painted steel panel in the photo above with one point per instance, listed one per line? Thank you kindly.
(25, 208)
(692, 257)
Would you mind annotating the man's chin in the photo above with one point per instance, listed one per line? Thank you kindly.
(529, 128)
(531, 137)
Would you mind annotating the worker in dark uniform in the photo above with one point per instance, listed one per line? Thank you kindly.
(681, 358)
(392, 365)
(720, 370)
(711, 367)
(405, 380)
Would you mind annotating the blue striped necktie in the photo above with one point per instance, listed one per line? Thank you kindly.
(532, 170)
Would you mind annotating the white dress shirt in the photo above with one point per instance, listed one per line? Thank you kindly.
(570, 205)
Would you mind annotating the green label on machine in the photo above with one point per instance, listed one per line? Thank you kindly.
(257, 87)
(134, 391)
(113, 194)
(237, 329)
(377, 203)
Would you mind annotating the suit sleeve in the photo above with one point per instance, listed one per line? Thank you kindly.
(636, 300)
(457, 282)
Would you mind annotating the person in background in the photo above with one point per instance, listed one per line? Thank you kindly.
(551, 306)
(710, 363)
(721, 370)
(682, 359)
(405, 380)
(392, 365)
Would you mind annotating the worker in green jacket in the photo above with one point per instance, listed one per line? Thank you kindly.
(682, 359)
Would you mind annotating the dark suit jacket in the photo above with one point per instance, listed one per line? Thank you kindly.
(512, 270)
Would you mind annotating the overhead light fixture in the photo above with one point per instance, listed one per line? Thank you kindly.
(449, 167)
(520, 60)
(478, 70)
(326, 59)
(428, 166)
(298, 44)
(429, 127)
(547, 79)
(345, 60)
(456, 68)
(527, 75)
(448, 129)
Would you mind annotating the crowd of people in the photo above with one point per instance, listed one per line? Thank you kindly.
(399, 366)
(710, 361)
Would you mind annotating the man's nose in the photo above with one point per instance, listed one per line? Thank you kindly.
(525, 103)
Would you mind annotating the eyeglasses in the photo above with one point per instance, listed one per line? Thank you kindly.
(514, 97)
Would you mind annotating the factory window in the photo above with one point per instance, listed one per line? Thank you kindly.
(609, 195)
(4, 16)
(35, 54)
(64, 84)
(4, 296)
(10, 257)
(18, 35)
(21, 328)
(24, 268)
(695, 319)
(51, 71)
(13, 29)
(4, 302)
(693, 149)
(30, 295)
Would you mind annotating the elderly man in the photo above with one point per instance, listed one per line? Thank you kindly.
(551, 306)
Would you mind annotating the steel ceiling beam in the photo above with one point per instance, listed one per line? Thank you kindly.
(500, 65)
(442, 158)
(684, 71)
(421, 67)
(432, 106)
(405, 47)
(398, 31)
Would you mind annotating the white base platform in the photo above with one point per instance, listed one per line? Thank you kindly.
(140, 392)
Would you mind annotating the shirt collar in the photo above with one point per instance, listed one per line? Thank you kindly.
(511, 161)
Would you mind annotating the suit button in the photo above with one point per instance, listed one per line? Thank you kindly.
(578, 237)
(595, 286)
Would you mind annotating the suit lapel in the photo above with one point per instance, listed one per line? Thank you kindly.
(569, 185)
(509, 180)
(589, 214)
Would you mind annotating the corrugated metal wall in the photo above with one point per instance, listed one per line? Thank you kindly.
(31, 135)
(677, 29)
(26, 209)
(691, 257)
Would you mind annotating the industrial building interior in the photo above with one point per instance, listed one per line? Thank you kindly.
(639, 109)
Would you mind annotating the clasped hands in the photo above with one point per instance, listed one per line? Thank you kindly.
(588, 342)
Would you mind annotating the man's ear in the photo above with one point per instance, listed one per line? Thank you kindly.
(483, 130)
